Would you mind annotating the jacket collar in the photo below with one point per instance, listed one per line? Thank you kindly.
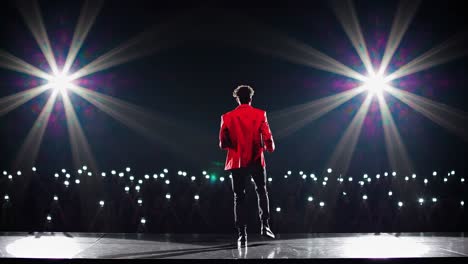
(243, 106)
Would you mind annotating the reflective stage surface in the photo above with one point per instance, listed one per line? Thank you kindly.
(222, 246)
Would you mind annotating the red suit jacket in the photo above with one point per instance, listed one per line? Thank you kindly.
(245, 134)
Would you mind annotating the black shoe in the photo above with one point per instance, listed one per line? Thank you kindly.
(242, 231)
(265, 230)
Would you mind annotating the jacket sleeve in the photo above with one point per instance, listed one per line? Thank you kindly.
(224, 139)
(267, 137)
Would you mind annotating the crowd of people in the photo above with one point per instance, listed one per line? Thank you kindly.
(175, 201)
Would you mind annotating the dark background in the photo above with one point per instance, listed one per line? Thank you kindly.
(193, 81)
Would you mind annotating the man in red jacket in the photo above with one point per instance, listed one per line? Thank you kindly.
(245, 134)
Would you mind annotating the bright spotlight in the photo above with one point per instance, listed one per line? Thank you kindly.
(270, 179)
(322, 204)
(193, 178)
(421, 200)
(140, 202)
(400, 204)
(127, 169)
(55, 198)
(221, 179)
(434, 200)
(375, 84)
(60, 82)
(143, 220)
(329, 170)
(278, 209)
(310, 199)
(434, 173)
(364, 197)
(168, 196)
(140, 181)
(101, 203)
(33, 168)
(196, 197)
(390, 193)
(462, 203)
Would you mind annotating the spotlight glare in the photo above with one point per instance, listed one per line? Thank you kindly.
(168, 196)
(434, 200)
(278, 209)
(390, 193)
(462, 203)
(329, 170)
(193, 178)
(375, 84)
(60, 82)
(101, 203)
(322, 204)
(196, 197)
(400, 204)
(143, 220)
(364, 197)
(310, 199)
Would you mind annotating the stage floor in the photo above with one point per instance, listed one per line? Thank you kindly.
(222, 246)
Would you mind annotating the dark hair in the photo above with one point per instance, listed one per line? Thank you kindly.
(244, 93)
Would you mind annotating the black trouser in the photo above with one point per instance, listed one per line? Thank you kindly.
(240, 178)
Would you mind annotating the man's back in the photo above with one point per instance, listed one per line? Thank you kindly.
(245, 134)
